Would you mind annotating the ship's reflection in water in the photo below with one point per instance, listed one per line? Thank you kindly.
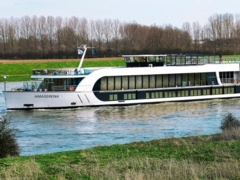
(45, 131)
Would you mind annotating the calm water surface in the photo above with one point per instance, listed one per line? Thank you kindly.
(46, 131)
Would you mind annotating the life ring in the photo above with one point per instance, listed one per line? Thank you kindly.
(236, 80)
(71, 88)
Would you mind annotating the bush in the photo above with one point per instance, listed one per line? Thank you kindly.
(8, 143)
(230, 134)
(229, 122)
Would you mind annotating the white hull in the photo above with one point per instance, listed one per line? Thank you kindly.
(53, 100)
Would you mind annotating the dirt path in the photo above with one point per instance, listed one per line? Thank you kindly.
(14, 61)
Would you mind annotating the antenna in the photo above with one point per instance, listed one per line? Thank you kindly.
(5, 77)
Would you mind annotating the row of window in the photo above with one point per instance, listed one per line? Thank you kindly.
(154, 81)
(170, 60)
(173, 93)
(127, 96)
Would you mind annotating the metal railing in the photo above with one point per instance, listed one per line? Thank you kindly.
(56, 72)
(223, 60)
(64, 88)
(229, 80)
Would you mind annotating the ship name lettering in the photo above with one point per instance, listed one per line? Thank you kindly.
(46, 96)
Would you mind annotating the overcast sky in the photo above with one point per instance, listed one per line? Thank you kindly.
(145, 12)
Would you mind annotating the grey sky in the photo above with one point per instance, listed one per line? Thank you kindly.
(145, 12)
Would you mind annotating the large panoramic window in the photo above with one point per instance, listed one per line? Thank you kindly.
(154, 81)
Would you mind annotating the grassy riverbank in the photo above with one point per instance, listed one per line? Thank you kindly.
(202, 157)
(22, 71)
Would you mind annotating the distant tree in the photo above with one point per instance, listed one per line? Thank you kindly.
(83, 32)
(11, 38)
(59, 35)
(130, 35)
(50, 31)
(116, 35)
(42, 35)
(98, 33)
(73, 23)
(3, 35)
(108, 33)
(25, 35)
(34, 35)
(228, 21)
(169, 38)
(154, 39)
(196, 35)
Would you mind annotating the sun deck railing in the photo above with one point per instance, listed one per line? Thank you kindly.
(38, 86)
(228, 80)
(55, 72)
(64, 88)
(223, 60)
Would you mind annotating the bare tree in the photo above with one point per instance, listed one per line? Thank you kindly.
(58, 34)
(185, 41)
(196, 35)
(42, 34)
(17, 27)
(123, 37)
(142, 35)
(11, 37)
(34, 34)
(116, 35)
(25, 34)
(82, 31)
(68, 35)
(213, 30)
(228, 24)
(3, 35)
(129, 32)
(107, 33)
(206, 38)
(74, 25)
(236, 34)
(187, 28)
(50, 29)
(154, 39)
(98, 33)
(168, 38)
(219, 29)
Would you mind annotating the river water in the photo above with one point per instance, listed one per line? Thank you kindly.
(47, 131)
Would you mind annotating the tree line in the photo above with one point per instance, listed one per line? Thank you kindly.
(56, 37)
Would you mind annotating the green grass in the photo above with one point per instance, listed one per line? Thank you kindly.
(22, 72)
(174, 158)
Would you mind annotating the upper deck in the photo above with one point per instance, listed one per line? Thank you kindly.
(60, 72)
(173, 60)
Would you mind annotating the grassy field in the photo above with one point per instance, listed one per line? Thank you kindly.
(202, 157)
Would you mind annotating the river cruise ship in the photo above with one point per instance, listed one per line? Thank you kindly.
(145, 79)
